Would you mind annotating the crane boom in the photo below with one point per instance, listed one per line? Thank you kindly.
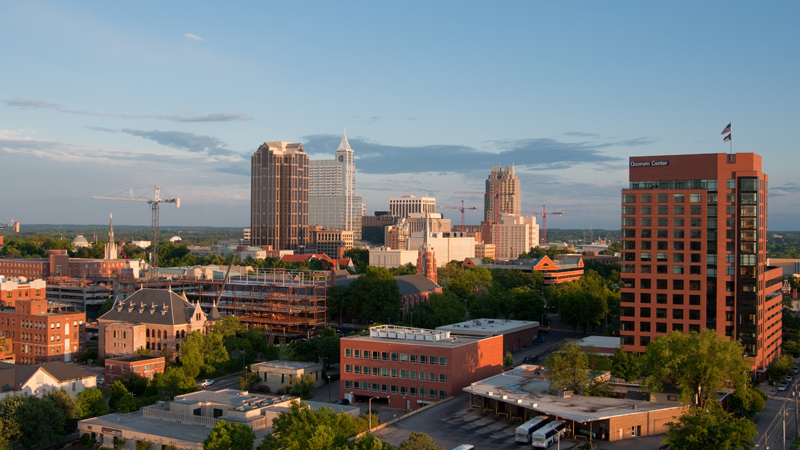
(154, 202)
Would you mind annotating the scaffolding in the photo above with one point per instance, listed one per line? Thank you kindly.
(291, 303)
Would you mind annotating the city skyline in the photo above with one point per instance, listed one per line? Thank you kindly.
(102, 98)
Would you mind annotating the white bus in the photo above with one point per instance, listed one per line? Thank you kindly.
(524, 431)
(548, 435)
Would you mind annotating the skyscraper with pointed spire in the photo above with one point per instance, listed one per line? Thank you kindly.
(111, 251)
(332, 198)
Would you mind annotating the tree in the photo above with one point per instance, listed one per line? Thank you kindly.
(508, 360)
(41, 422)
(172, 382)
(121, 400)
(68, 406)
(302, 386)
(143, 445)
(697, 364)
(91, 403)
(249, 381)
(374, 297)
(625, 365)
(229, 326)
(747, 402)
(710, 428)
(368, 441)
(570, 369)
(419, 441)
(202, 352)
(780, 368)
(441, 309)
(360, 258)
(300, 428)
(465, 283)
(135, 383)
(230, 436)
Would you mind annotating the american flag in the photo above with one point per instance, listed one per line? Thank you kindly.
(727, 129)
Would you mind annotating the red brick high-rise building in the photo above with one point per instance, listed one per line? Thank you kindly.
(694, 252)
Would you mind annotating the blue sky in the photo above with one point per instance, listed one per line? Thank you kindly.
(99, 97)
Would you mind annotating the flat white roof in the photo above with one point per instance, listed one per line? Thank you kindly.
(601, 341)
(281, 364)
(511, 387)
(489, 327)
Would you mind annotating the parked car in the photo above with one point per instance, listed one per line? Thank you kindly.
(783, 386)
(789, 378)
(206, 383)
(343, 401)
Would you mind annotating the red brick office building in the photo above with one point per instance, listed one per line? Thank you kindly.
(38, 335)
(59, 264)
(412, 367)
(694, 252)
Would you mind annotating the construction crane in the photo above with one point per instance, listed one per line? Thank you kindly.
(544, 215)
(154, 202)
(461, 208)
(496, 195)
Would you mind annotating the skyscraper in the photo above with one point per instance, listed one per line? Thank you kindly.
(502, 193)
(279, 196)
(694, 252)
(409, 204)
(332, 198)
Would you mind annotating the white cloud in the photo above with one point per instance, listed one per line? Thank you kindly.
(193, 37)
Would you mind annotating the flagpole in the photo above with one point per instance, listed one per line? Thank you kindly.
(731, 139)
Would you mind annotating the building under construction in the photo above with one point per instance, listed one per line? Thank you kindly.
(291, 303)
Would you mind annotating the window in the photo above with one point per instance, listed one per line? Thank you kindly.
(678, 269)
(695, 198)
(647, 210)
(347, 351)
(663, 198)
(646, 283)
(677, 221)
(661, 327)
(647, 234)
(646, 221)
(442, 394)
(695, 210)
(412, 375)
(365, 354)
(694, 299)
(628, 210)
(677, 299)
(432, 360)
(375, 355)
(661, 268)
(357, 353)
(348, 368)
(647, 198)
(403, 390)
(628, 198)
(694, 285)
(661, 313)
(677, 198)
(677, 314)
(646, 256)
(694, 314)
(644, 327)
(393, 389)
(385, 356)
(663, 222)
(442, 378)
(384, 371)
(375, 371)
(394, 357)
(442, 360)
(423, 376)
(628, 221)
(412, 391)
(644, 312)
(403, 357)
(348, 384)
(413, 358)
(423, 359)
(663, 210)
(383, 388)
(394, 373)
(357, 369)
(403, 374)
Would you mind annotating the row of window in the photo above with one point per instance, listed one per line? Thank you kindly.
(397, 357)
(42, 325)
(21, 291)
(664, 198)
(677, 299)
(694, 210)
(392, 389)
(395, 373)
(158, 334)
(661, 284)
(661, 327)
(647, 233)
(36, 337)
(661, 313)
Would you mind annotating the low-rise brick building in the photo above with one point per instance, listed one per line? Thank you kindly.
(412, 367)
(142, 365)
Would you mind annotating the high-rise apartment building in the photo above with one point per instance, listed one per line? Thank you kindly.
(502, 194)
(279, 196)
(407, 204)
(694, 252)
(332, 200)
(514, 235)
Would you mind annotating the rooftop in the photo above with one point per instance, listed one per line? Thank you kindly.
(514, 388)
(414, 336)
(489, 327)
(134, 358)
(281, 364)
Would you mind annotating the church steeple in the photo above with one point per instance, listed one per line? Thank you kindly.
(111, 250)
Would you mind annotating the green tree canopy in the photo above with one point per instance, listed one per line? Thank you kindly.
(570, 368)
(230, 436)
(68, 406)
(374, 297)
(91, 403)
(121, 400)
(360, 258)
(171, 382)
(300, 428)
(710, 428)
(202, 352)
(625, 365)
(41, 422)
(697, 364)
(419, 441)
